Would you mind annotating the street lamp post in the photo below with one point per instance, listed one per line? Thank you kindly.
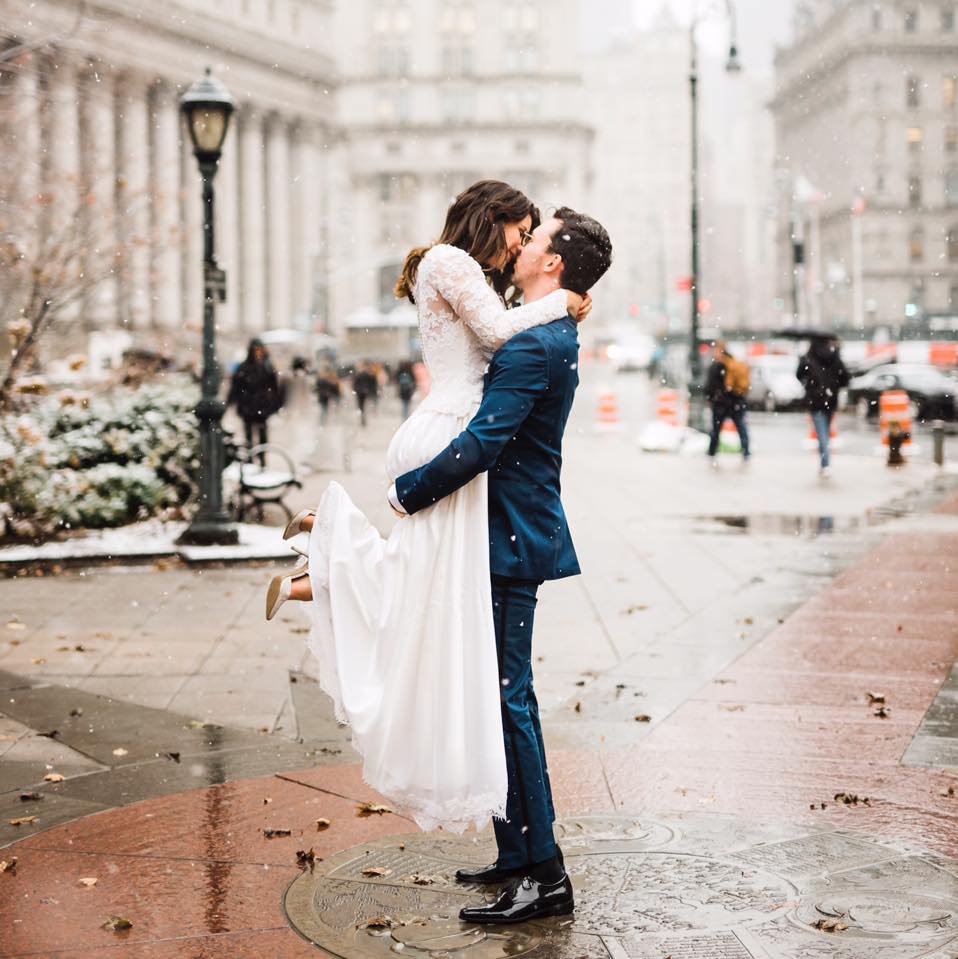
(696, 383)
(207, 107)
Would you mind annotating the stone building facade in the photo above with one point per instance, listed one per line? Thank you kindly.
(866, 111)
(95, 100)
(434, 95)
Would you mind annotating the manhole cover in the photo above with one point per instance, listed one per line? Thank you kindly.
(705, 887)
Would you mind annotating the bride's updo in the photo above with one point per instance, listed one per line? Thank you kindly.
(476, 223)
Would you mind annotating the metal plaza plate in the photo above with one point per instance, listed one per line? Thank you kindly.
(647, 887)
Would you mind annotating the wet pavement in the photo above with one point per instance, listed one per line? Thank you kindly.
(751, 729)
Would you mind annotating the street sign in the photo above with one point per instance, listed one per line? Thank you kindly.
(214, 281)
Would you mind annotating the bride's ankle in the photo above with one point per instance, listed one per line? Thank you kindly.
(301, 589)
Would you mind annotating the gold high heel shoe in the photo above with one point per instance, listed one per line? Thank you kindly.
(295, 525)
(281, 588)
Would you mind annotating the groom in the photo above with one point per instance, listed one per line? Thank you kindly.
(517, 436)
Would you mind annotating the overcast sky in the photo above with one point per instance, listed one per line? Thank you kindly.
(763, 24)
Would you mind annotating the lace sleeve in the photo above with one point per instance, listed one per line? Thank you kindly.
(459, 280)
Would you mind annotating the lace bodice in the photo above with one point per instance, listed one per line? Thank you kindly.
(462, 322)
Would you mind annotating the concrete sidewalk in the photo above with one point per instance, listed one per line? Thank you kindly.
(800, 800)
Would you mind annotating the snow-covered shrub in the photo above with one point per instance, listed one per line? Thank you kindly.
(75, 460)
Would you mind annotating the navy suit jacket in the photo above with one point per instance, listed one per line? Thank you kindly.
(517, 437)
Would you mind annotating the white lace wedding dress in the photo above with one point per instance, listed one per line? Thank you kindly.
(402, 627)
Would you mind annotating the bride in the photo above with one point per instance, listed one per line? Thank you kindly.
(402, 627)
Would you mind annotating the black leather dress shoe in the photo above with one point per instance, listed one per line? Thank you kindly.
(489, 875)
(525, 900)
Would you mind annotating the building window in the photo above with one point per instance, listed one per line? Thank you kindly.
(457, 17)
(456, 60)
(876, 18)
(916, 245)
(879, 182)
(394, 107)
(951, 139)
(913, 92)
(953, 296)
(911, 21)
(949, 90)
(457, 104)
(392, 61)
(951, 244)
(951, 187)
(914, 191)
(916, 139)
(948, 19)
(391, 19)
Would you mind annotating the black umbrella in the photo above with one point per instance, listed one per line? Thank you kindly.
(797, 333)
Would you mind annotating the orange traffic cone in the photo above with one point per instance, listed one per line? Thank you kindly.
(609, 420)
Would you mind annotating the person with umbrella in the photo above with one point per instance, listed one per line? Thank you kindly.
(823, 374)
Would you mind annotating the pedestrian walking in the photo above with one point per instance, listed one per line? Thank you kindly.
(328, 389)
(255, 391)
(726, 388)
(823, 374)
(365, 388)
(406, 385)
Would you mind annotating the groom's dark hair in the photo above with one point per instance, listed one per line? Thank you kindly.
(585, 248)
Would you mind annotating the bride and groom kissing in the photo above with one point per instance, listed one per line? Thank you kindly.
(424, 638)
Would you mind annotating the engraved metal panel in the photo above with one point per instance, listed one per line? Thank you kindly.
(645, 889)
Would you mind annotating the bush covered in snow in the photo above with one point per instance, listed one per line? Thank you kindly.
(74, 460)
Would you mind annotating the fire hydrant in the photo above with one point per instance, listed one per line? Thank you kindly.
(897, 437)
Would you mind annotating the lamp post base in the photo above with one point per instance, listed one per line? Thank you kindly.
(208, 531)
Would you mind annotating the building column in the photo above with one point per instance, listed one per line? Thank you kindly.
(226, 213)
(306, 220)
(252, 222)
(165, 258)
(133, 161)
(98, 129)
(63, 142)
(278, 252)
(27, 148)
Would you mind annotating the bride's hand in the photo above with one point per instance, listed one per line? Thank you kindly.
(573, 303)
(585, 309)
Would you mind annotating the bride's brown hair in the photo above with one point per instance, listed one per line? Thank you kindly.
(476, 223)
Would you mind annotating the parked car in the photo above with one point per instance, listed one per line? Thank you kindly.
(933, 395)
(774, 384)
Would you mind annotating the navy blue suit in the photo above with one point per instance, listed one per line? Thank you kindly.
(517, 437)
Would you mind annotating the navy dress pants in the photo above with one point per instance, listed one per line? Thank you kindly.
(525, 836)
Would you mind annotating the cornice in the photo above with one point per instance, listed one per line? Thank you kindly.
(445, 128)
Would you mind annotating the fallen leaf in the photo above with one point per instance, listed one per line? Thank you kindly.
(578, 707)
(876, 699)
(89, 882)
(637, 608)
(31, 797)
(580, 682)
(9, 865)
(380, 922)
(174, 756)
(277, 833)
(117, 924)
(76, 712)
(23, 821)
(306, 857)
(16, 625)
(377, 872)
(363, 810)
(266, 800)
(883, 712)
(14, 642)
(748, 621)
(53, 778)
(950, 792)
(322, 825)
(420, 880)
(642, 718)
(51, 734)
(119, 751)
(327, 751)
(830, 925)
(39, 661)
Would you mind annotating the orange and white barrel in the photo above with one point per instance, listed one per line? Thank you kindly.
(895, 407)
(668, 407)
